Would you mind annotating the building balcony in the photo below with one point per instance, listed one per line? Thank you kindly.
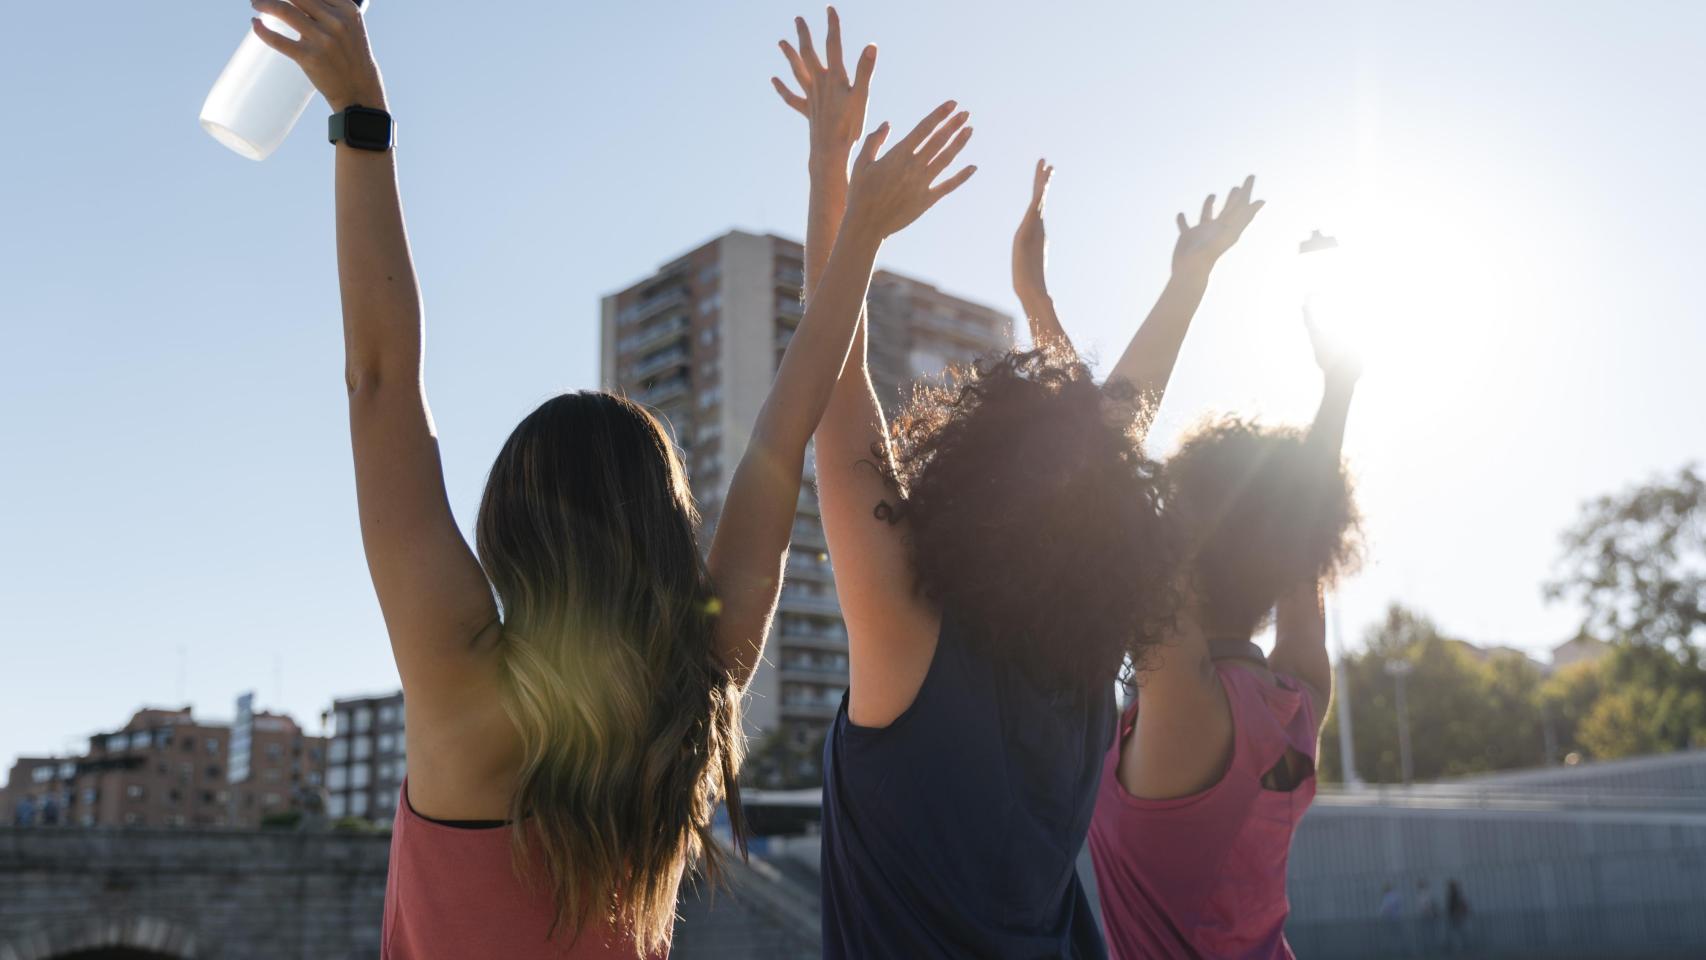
(813, 673)
(655, 335)
(807, 566)
(810, 710)
(674, 357)
(653, 305)
(663, 392)
(960, 328)
(790, 278)
(808, 537)
(799, 601)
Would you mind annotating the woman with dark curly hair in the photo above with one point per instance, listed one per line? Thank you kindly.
(994, 569)
(1216, 759)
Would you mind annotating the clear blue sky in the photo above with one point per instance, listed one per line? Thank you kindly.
(174, 469)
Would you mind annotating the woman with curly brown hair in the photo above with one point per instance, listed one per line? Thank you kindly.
(997, 557)
(1215, 764)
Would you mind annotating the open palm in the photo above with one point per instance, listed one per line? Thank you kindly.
(832, 102)
(1200, 246)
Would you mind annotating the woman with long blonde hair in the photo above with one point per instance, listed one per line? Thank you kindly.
(570, 738)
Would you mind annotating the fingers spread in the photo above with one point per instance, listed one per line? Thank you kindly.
(941, 161)
(862, 72)
(939, 139)
(951, 184)
(1184, 225)
(873, 143)
(789, 97)
(911, 141)
(1207, 210)
(832, 45)
(801, 74)
(1039, 184)
(807, 51)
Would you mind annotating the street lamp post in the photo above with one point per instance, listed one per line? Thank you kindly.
(1399, 671)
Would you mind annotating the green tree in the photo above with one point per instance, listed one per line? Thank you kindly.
(1636, 562)
(1470, 711)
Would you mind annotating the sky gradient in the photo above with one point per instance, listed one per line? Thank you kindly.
(177, 509)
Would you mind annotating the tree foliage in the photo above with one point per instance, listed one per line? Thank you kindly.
(1636, 562)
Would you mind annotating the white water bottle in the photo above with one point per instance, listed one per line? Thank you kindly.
(258, 97)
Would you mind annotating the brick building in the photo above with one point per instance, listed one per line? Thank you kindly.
(165, 768)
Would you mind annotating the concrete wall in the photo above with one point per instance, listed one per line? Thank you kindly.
(1541, 883)
(277, 895)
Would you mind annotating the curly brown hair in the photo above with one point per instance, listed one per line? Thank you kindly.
(1257, 510)
(1033, 515)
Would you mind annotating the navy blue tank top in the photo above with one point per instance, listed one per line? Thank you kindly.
(955, 830)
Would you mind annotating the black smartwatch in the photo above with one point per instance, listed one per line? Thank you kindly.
(363, 128)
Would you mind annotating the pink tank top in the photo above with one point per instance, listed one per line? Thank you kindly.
(452, 892)
(1204, 875)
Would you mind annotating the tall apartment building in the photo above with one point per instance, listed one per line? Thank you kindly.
(698, 342)
(366, 761)
(164, 768)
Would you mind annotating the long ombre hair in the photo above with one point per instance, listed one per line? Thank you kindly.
(629, 724)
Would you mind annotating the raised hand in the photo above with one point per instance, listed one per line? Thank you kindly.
(331, 48)
(833, 104)
(1030, 241)
(1200, 246)
(887, 193)
(1339, 361)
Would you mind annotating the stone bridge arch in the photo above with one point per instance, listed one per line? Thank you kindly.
(127, 938)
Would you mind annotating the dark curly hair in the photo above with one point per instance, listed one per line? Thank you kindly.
(1257, 510)
(1033, 515)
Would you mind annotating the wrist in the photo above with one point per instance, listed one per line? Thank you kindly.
(827, 166)
(370, 95)
(859, 232)
(1190, 275)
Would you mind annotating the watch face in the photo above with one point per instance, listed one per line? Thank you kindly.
(361, 127)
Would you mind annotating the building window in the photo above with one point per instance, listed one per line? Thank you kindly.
(343, 727)
(388, 715)
(212, 744)
(358, 805)
(363, 748)
(314, 777)
(340, 751)
(363, 719)
(270, 800)
(335, 805)
(387, 743)
(275, 752)
(188, 744)
(337, 778)
(360, 775)
(213, 771)
(41, 774)
(272, 775)
(132, 819)
(207, 797)
(134, 791)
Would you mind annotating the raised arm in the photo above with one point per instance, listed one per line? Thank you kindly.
(437, 605)
(1148, 361)
(884, 195)
(1300, 629)
(1030, 266)
(891, 631)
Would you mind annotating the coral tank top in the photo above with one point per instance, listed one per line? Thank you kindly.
(1204, 875)
(452, 892)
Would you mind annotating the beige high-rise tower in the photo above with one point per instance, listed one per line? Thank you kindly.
(698, 341)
